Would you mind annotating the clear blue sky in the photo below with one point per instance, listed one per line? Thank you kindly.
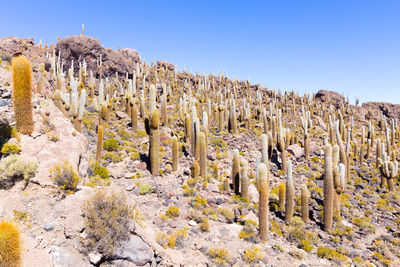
(347, 46)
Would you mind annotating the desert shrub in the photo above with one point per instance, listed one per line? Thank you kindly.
(100, 171)
(107, 222)
(252, 255)
(111, 145)
(9, 149)
(172, 211)
(15, 167)
(219, 256)
(64, 176)
(145, 189)
(10, 245)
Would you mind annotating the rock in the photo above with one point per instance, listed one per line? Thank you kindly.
(166, 65)
(120, 115)
(62, 258)
(296, 150)
(95, 258)
(79, 48)
(74, 224)
(192, 223)
(134, 250)
(49, 227)
(69, 147)
(376, 108)
(168, 168)
(321, 123)
(118, 263)
(334, 97)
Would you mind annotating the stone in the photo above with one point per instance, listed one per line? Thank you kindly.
(49, 227)
(192, 223)
(296, 150)
(95, 258)
(120, 115)
(70, 146)
(134, 250)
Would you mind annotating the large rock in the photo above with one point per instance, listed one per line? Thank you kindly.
(79, 48)
(326, 96)
(295, 150)
(166, 65)
(374, 109)
(134, 250)
(71, 146)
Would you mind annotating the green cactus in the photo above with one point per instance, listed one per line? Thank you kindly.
(236, 172)
(100, 137)
(154, 140)
(328, 189)
(22, 94)
(304, 203)
(175, 153)
(203, 155)
(281, 196)
(244, 179)
(289, 198)
(263, 190)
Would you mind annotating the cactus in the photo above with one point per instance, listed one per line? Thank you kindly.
(10, 245)
(226, 185)
(100, 137)
(264, 149)
(289, 198)
(215, 171)
(221, 119)
(103, 113)
(188, 128)
(263, 190)
(281, 197)
(389, 171)
(152, 98)
(339, 175)
(244, 179)
(22, 94)
(134, 115)
(368, 148)
(328, 189)
(203, 155)
(304, 203)
(57, 99)
(236, 172)
(154, 140)
(195, 169)
(175, 153)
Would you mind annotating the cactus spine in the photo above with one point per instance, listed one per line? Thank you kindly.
(289, 202)
(175, 153)
(203, 155)
(235, 172)
(328, 189)
(304, 203)
(263, 190)
(154, 143)
(10, 245)
(100, 136)
(22, 94)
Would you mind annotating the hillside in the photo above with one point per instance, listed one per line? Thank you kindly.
(131, 164)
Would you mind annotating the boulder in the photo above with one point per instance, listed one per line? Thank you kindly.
(374, 109)
(79, 48)
(296, 150)
(326, 96)
(134, 250)
(70, 145)
(166, 65)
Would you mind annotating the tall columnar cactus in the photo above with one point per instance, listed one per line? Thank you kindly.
(154, 151)
(10, 245)
(100, 137)
(188, 128)
(22, 94)
(304, 203)
(236, 172)
(152, 98)
(175, 153)
(81, 111)
(282, 194)
(244, 179)
(203, 155)
(215, 171)
(304, 122)
(339, 178)
(389, 172)
(195, 169)
(289, 201)
(328, 189)
(263, 190)
(368, 149)
(264, 149)
(282, 149)
(343, 156)
(221, 120)
(103, 113)
(134, 115)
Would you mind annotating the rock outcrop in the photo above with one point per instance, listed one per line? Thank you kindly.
(334, 97)
(374, 109)
(79, 48)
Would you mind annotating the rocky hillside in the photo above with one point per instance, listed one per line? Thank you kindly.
(130, 164)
